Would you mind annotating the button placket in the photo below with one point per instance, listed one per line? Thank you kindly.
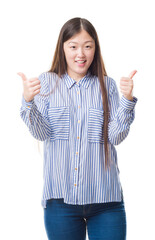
(77, 145)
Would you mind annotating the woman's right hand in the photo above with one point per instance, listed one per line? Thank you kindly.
(31, 87)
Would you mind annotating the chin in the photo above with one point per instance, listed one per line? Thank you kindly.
(82, 71)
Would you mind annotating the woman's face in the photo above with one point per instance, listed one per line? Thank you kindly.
(79, 53)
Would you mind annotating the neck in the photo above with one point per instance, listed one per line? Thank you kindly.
(76, 77)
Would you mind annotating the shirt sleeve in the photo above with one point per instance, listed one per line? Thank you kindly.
(122, 114)
(35, 113)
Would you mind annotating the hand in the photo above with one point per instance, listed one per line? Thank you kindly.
(31, 87)
(126, 86)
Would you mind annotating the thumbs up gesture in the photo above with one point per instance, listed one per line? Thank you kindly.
(31, 87)
(126, 85)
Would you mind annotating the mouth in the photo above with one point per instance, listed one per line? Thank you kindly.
(81, 61)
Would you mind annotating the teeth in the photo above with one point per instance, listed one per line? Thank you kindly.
(81, 61)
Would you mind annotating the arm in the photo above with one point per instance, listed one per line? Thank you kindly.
(121, 115)
(35, 112)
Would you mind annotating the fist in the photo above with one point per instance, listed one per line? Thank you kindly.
(126, 85)
(31, 87)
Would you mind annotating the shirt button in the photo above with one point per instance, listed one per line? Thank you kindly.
(28, 106)
(78, 106)
(75, 185)
(78, 92)
(78, 137)
(79, 121)
(75, 168)
(76, 153)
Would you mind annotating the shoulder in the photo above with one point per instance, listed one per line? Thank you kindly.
(47, 81)
(110, 84)
(48, 77)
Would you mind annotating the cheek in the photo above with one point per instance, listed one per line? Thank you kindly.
(69, 57)
(91, 56)
(67, 54)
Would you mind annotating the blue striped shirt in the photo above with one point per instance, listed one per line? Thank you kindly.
(70, 122)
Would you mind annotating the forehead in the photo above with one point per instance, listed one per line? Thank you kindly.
(81, 37)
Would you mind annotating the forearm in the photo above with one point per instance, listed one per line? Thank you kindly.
(119, 125)
(36, 121)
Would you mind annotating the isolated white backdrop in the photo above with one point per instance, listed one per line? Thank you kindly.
(29, 31)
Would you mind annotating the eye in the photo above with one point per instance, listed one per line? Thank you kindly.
(73, 47)
(88, 46)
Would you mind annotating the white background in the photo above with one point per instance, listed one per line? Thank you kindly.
(29, 31)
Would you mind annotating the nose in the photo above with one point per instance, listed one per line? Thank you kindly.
(80, 52)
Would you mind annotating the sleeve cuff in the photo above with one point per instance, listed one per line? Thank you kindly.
(27, 105)
(127, 104)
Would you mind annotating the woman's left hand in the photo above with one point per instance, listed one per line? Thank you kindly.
(126, 86)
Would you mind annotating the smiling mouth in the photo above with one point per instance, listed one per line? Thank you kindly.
(81, 61)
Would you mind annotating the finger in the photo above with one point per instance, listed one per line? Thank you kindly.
(36, 88)
(125, 79)
(33, 79)
(125, 92)
(36, 92)
(132, 74)
(126, 83)
(32, 84)
(125, 89)
(22, 75)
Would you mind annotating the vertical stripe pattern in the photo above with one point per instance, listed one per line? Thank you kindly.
(70, 122)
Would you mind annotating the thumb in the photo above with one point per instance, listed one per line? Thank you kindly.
(132, 74)
(22, 75)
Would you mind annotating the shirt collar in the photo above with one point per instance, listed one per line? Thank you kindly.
(84, 82)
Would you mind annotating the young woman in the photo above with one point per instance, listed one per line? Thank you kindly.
(75, 109)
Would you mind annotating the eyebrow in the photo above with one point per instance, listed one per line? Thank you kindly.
(77, 42)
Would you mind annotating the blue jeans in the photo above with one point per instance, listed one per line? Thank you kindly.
(106, 221)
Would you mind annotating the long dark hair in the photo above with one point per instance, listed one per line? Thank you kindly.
(59, 65)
